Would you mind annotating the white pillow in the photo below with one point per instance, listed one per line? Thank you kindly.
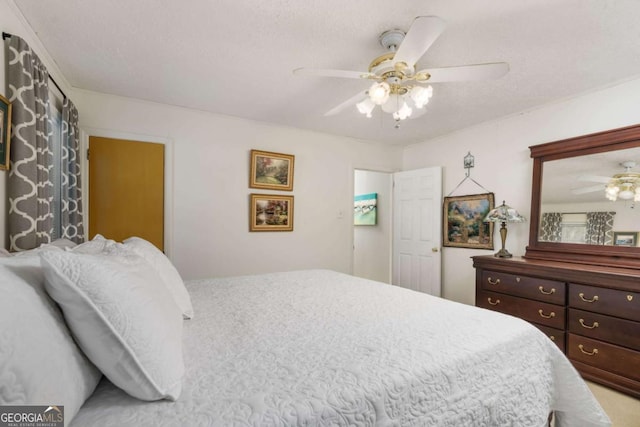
(166, 270)
(96, 245)
(40, 363)
(63, 243)
(124, 322)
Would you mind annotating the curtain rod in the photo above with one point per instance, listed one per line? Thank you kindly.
(8, 36)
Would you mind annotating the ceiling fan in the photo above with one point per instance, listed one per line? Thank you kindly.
(398, 87)
(625, 186)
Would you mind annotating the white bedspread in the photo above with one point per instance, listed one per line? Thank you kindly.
(319, 348)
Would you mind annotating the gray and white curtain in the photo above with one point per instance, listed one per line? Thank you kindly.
(71, 203)
(551, 227)
(30, 187)
(599, 228)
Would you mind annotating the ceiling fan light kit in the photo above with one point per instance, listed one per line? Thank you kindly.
(398, 88)
(625, 186)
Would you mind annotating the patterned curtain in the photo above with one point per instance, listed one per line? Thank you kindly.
(550, 229)
(599, 228)
(29, 186)
(71, 203)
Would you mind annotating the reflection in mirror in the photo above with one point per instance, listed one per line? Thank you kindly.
(576, 198)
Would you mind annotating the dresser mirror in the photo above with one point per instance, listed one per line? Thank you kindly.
(585, 203)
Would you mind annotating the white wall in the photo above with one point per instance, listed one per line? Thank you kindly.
(211, 173)
(211, 192)
(372, 244)
(503, 165)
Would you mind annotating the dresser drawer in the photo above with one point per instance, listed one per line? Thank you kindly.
(606, 301)
(606, 328)
(605, 356)
(550, 291)
(555, 335)
(533, 311)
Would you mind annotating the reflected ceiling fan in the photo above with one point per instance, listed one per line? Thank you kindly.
(398, 87)
(625, 186)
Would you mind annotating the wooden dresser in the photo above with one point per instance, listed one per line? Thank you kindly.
(592, 313)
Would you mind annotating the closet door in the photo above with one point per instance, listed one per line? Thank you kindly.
(126, 189)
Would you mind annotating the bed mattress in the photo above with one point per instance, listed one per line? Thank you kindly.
(318, 348)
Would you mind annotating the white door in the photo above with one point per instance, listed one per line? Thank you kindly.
(417, 222)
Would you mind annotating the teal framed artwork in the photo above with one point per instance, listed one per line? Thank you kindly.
(365, 209)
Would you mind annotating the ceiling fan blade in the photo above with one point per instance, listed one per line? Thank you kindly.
(586, 190)
(594, 178)
(463, 73)
(349, 102)
(423, 32)
(324, 72)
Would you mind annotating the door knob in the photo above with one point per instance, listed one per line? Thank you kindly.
(434, 249)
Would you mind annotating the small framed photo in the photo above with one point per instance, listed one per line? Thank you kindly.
(625, 238)
(271, 212)
(5, 132)
(463, 221)
(272, 171)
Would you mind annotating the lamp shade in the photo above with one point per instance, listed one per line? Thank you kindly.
(379, 92)
(504, 213)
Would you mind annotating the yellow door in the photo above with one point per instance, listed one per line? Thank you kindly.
(126, 189)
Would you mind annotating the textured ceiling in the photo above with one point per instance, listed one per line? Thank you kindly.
(236, 57)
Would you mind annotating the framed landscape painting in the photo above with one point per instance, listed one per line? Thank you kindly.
(625, 238)
(273, 171)
(463, 221)
(271, 212)
(5, 132)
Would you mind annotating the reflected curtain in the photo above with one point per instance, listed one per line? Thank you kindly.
(599, 228)
(30, 188)
(71, 203)
(550, 227)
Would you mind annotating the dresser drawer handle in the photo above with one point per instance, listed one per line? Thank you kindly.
(546, 316)
(588, 353)
(594, 299)
(629, 298)
(543, 291)
(493, 303)
(493, 282)
(595, 324)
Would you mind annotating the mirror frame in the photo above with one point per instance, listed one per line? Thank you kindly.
(610, 256)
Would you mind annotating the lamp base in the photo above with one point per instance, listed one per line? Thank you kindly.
(503, 253)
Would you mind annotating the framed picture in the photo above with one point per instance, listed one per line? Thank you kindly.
(625, 238)
(273, 171)
(271, 212)
(365, 208)
(5, 132)
(463, 225)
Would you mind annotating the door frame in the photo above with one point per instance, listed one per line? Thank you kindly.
(86, 132)
(393, 213)
(353, 227)
(349, 216)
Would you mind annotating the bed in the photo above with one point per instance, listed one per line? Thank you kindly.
(320, 348)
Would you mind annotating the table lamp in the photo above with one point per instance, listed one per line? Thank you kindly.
(503, 214)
